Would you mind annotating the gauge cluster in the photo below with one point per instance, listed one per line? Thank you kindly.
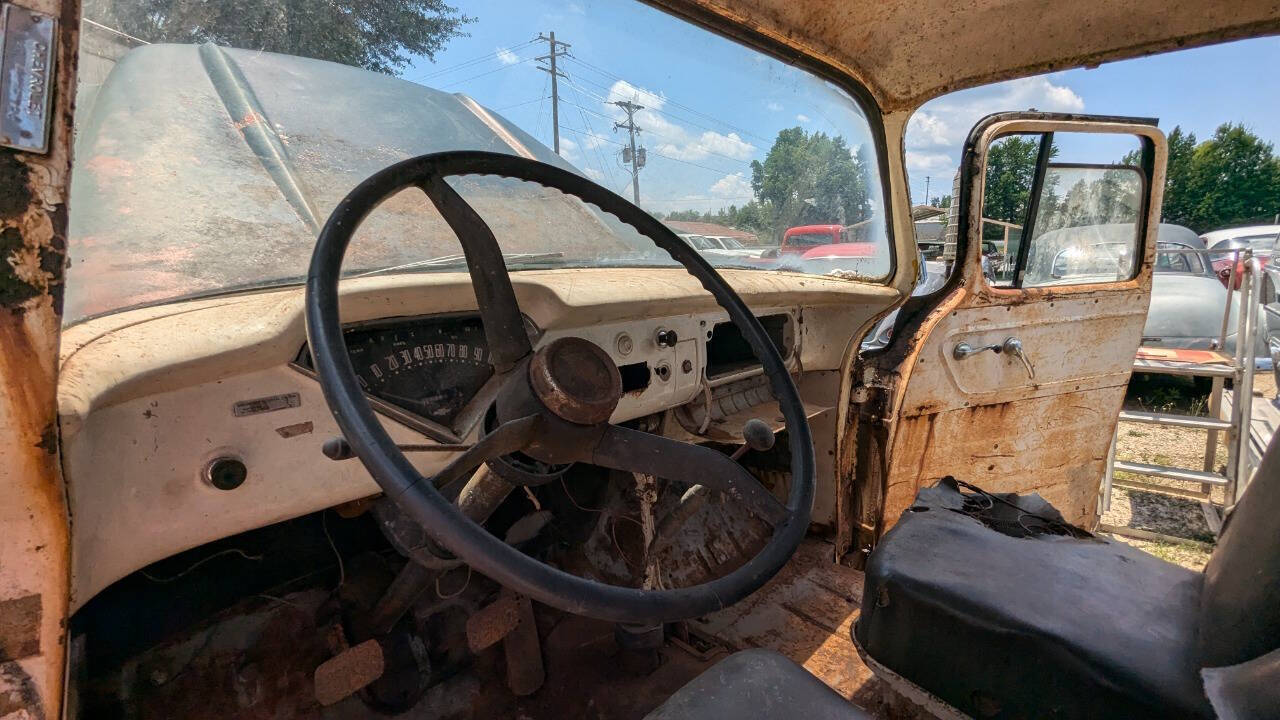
(430, 367)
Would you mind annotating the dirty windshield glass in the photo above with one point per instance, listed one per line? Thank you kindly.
(214, 139)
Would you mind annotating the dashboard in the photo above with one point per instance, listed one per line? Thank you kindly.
(151, 399)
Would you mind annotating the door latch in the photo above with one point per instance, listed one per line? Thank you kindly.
(1011, 346)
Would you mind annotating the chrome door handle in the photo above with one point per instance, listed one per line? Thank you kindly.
(1013, 346)
(964, 350)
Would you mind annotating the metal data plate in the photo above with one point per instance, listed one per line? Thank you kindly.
(26, 77)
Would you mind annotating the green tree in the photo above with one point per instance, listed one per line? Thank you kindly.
(379, 35)
(1011, 167)
(1232, 178)
(1178, 201)
(812, 179)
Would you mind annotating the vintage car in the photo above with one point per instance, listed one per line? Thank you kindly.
(1188, 302)
(329, 394)
(1227, 246)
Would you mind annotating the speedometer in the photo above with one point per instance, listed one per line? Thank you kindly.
(431, 367)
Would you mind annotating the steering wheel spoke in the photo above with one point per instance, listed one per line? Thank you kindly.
(634, 451)
(504, 440)
(499, 311)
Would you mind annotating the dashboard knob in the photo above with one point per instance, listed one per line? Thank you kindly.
(666, 338)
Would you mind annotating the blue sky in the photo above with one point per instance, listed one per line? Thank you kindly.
(713, 106)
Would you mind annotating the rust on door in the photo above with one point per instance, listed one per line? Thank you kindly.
(948, 398)
(33, 513)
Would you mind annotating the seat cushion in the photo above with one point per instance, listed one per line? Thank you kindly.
(756, 685)
(1022, 622)
(1239, 611)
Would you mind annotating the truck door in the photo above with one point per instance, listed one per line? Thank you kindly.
(38, 41)
(1011, 376)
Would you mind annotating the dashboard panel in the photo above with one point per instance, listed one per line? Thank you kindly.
(148, 398)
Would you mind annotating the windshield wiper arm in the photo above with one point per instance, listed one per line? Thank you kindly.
(459, 260)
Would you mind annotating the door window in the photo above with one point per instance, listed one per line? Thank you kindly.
(1062, 209)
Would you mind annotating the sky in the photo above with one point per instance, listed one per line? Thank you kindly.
(712, 106)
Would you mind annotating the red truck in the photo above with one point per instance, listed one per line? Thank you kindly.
(802, 238)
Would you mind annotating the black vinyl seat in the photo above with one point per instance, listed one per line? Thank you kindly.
(995, 606)
(756, 685)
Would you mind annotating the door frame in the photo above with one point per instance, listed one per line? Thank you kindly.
(34, 524)
(873, 420)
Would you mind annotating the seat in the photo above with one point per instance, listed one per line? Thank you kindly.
(756, 685)
(999, 611)
(995, 606)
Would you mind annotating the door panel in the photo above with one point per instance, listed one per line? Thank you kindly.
(980, 415)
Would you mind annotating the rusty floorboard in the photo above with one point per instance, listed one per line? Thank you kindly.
(807, 613)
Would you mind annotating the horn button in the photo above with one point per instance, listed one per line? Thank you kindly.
(577, 380)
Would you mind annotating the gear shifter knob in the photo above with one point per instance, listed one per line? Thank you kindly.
(757, 434)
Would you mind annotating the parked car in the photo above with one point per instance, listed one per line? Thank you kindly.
(1187, 300)
(1259, 238)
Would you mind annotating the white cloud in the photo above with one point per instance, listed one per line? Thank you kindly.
(947, 120)
(568, 149)
(735, 186)
(506, 57)
(802, 118)
(593, 174)
(927, 163)
(773, 106)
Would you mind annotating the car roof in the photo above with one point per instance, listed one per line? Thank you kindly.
(908, 51)
(814, 229)
(1248, 231)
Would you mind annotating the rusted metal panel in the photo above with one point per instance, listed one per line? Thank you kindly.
(907, 52)
(985, 418)
(33, 515)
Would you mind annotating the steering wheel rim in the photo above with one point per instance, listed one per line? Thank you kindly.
(471, 542)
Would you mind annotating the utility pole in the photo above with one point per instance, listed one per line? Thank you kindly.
(926, 189)
(554, 52)
(630, 154)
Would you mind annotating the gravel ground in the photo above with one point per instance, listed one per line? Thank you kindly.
(1154, 512)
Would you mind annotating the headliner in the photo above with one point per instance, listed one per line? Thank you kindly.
(908, 52)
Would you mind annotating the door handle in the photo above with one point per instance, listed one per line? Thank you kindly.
(964, 350)
(1011, 346)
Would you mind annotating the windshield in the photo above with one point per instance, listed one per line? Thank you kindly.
(810, 239)
(214, 140)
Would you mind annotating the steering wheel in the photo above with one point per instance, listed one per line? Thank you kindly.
(553, 404)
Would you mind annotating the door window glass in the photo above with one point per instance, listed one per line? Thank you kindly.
(1062, 209)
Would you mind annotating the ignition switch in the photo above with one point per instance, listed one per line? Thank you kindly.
(666, 338)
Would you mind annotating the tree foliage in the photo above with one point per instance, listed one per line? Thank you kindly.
(809, 179)
(805, 179)
(1233, 178)
(379, 35)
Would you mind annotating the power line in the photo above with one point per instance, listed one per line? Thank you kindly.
(655, 153)
(605, 168)
(519, 104)
(476, 61)
(712, 118)
(490, 72)
(668, 138)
